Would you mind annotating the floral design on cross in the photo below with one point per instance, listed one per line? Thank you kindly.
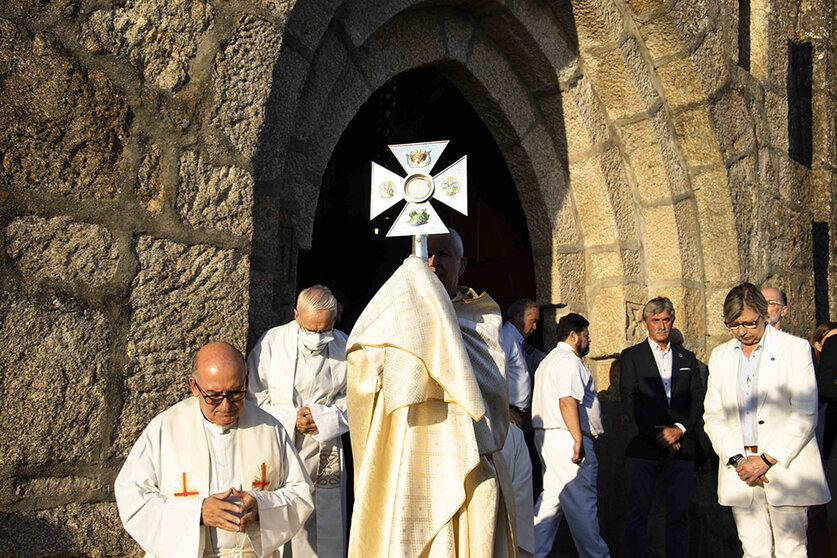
(417, 217)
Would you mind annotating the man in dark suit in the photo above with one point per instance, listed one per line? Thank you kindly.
(663, 397)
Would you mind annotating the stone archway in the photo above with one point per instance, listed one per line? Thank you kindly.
(607, 137)
(605, 131)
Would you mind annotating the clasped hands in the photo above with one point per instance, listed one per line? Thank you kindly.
(305, 421)
(751, 471)
(669, 437)
(216, 511)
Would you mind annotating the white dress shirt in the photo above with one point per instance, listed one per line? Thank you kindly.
(748, 388)
(520, 387)
(562, 374)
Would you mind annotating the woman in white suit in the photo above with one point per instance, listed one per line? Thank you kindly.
(760, 412)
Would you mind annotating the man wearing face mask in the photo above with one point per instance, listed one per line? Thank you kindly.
(298, 374)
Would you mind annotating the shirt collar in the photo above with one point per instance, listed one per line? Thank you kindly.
(566, 347)
(656, 347)
(217, 428)
(514, 332)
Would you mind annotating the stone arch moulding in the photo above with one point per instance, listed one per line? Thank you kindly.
(544, 98)
(346, 65)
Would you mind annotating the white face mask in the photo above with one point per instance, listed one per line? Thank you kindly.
(315, 341)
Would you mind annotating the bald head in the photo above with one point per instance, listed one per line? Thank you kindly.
(219, 380)
(219, 359)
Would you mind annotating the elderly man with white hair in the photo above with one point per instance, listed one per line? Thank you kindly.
(298, 374)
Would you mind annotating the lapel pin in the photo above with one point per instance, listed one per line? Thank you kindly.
(680, 355)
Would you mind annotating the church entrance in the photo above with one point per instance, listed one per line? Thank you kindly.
(353, 255)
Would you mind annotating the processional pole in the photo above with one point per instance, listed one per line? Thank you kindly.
(418, 218)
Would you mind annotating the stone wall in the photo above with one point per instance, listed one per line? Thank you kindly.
(161, 163)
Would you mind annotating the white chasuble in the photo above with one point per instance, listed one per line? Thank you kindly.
(284, 376)
(429, 416)
(181, 458)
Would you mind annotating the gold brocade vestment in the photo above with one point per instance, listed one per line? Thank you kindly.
(428, 415)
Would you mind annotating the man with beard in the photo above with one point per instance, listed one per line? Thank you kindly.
(777, 306)
(567, 419)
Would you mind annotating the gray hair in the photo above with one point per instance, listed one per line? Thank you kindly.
(316, 298)
(658, 305)
(520, 306)
(457, 243)
(741, 295)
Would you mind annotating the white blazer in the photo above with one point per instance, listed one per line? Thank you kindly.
(786, 416)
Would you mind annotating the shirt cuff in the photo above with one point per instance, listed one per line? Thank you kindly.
(680, 426)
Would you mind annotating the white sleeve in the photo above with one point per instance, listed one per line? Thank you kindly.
(282, 512)
(331, 420)
(520, 388)
(258, 364)
(258, 367)
(162, 526)
(725, 441)
(569, 379)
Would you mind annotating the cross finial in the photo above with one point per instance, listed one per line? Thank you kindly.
(418, 218)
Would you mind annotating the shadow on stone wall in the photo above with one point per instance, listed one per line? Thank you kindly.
(38, 536)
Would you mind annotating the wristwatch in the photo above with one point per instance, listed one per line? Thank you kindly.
(733, 461)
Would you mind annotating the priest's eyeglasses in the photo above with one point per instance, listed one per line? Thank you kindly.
(745, 325)
(217, 398)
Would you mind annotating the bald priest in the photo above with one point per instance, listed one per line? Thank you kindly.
(213, 475)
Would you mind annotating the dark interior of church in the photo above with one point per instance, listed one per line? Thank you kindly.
(354, 256)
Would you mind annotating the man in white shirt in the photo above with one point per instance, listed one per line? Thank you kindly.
(567, 418)
(759, 412)
(521, 321)
(213, 475)
(298, 374)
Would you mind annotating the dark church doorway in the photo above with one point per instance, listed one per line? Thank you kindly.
(353, 255)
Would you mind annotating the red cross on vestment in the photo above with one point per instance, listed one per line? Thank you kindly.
(186, 491)
(264, 482)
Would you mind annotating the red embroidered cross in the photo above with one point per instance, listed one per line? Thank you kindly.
(262, 483)
(186, 491)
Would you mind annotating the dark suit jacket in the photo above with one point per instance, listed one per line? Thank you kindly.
(646, 405)
(826, 375)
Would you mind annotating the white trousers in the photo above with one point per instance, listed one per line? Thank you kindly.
(766, 531)
(568, 489)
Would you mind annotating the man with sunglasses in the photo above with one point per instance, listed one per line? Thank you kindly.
(760, 411)
(298, 374)
(214, 474)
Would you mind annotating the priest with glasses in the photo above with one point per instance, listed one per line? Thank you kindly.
(213, 475)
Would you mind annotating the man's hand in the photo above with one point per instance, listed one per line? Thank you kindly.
(674, 448)
(305, 422)
(217, 512)
(578, 451)
(751, 471)
(668, 435)
(249, 508)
